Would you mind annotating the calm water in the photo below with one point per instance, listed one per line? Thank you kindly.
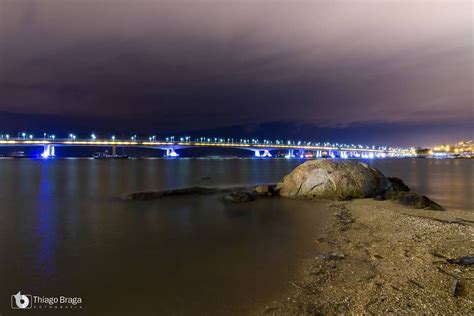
(447, 181)
(65, 232)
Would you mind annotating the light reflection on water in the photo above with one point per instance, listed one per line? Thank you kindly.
(65, 232)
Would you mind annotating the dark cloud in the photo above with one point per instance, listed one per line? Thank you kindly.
(190, 65)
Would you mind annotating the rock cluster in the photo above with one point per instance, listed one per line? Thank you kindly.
(343, 180)
(317, 179)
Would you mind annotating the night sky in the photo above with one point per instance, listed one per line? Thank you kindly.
(378, 72)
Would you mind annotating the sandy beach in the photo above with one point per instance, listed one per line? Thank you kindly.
(381, 257)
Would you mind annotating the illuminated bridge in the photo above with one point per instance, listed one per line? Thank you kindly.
(170, 146)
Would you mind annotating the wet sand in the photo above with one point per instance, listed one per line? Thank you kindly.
(381, 257)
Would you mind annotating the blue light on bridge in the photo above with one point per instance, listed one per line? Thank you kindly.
(48, 152)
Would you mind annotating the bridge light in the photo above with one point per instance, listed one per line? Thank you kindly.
(113, 138)
(31, 136)
(93, 137)
(7, 136)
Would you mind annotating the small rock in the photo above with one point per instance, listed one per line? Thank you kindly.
(379, 198)
(398, 184)
(466, 260)
(264, 190)
(455, 288)
(240, 197)
(331, 256)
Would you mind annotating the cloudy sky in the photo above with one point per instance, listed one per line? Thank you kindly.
(400, 70)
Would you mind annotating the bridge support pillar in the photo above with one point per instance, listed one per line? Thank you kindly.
(266, 153)
(262, 153)
(171, 153)
(290, 154)
(114, 150)
(48, 151)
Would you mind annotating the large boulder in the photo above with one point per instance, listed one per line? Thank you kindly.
(333, 179)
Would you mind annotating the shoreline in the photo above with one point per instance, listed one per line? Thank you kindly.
(382, 257)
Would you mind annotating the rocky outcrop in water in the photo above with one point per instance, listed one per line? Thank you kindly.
(237, 194)
(150, 195)
(333, 179)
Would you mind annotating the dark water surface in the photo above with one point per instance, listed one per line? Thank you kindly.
(65, 232)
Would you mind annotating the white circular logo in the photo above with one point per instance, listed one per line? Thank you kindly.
(21, 301)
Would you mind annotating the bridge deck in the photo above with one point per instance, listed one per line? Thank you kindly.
(179, 145)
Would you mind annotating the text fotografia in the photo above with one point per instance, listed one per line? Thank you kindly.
(28, 301)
